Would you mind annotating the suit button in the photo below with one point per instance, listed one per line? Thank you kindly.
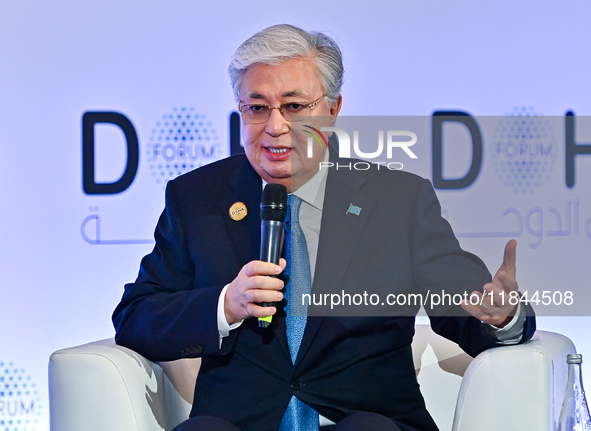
(296, 386)
(183, 353)
(199, 350)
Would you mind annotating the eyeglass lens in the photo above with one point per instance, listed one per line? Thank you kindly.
(261, 113)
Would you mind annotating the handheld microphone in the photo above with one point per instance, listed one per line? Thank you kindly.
(273, 213)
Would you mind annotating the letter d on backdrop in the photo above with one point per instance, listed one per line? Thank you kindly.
(440, 117)
(89, 184)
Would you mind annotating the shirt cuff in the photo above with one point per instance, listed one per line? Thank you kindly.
(512, 332)
(223, 327)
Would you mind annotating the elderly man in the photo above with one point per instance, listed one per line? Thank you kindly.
(201, 290)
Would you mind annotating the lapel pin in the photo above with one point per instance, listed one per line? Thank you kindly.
(353, 210)
(238, 211)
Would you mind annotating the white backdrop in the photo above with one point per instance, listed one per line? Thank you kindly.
(153, 61)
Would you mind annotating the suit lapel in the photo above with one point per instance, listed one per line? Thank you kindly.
(341, 229)
(244, 186)
(339, 234)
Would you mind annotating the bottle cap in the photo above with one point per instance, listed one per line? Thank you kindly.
(574, 359)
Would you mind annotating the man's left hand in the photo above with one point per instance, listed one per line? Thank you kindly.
(494, 306)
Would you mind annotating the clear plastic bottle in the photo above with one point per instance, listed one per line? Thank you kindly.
(575, 412)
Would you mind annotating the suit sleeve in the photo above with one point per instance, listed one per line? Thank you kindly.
(163, 316)
(442, 268)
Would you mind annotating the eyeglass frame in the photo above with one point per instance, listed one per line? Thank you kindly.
(280, 107)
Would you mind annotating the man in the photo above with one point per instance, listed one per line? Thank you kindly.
(198, 294)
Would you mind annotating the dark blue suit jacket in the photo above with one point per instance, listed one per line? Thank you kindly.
(397, 244)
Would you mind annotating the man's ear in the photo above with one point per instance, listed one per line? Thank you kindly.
(335, 109)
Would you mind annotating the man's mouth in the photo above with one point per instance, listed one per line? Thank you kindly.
(278, 154)
(278, 150)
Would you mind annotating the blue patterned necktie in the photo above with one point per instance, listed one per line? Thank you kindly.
(298, 416)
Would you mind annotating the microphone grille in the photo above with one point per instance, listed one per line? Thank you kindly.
(274, 202)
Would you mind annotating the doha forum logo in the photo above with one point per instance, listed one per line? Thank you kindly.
(523, 150)
(20, 406)
(181, 141)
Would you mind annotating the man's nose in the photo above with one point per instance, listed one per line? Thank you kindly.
(277, 125)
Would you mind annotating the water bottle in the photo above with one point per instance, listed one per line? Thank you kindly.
(575, 412)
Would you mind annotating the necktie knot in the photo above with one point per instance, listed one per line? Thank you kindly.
(293, 210)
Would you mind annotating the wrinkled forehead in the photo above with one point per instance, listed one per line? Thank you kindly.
(291, 79)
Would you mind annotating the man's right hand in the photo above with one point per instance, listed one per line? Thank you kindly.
(253, 285)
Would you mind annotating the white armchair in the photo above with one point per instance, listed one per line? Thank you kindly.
(104, 387)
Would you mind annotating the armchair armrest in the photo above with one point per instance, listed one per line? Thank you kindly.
(101, 386)
(515, 387)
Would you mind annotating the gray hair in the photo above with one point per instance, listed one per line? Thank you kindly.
(283, 42)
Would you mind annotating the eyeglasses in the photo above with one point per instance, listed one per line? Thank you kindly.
(292, 111)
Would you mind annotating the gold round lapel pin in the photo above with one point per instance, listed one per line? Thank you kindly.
(238, 211)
